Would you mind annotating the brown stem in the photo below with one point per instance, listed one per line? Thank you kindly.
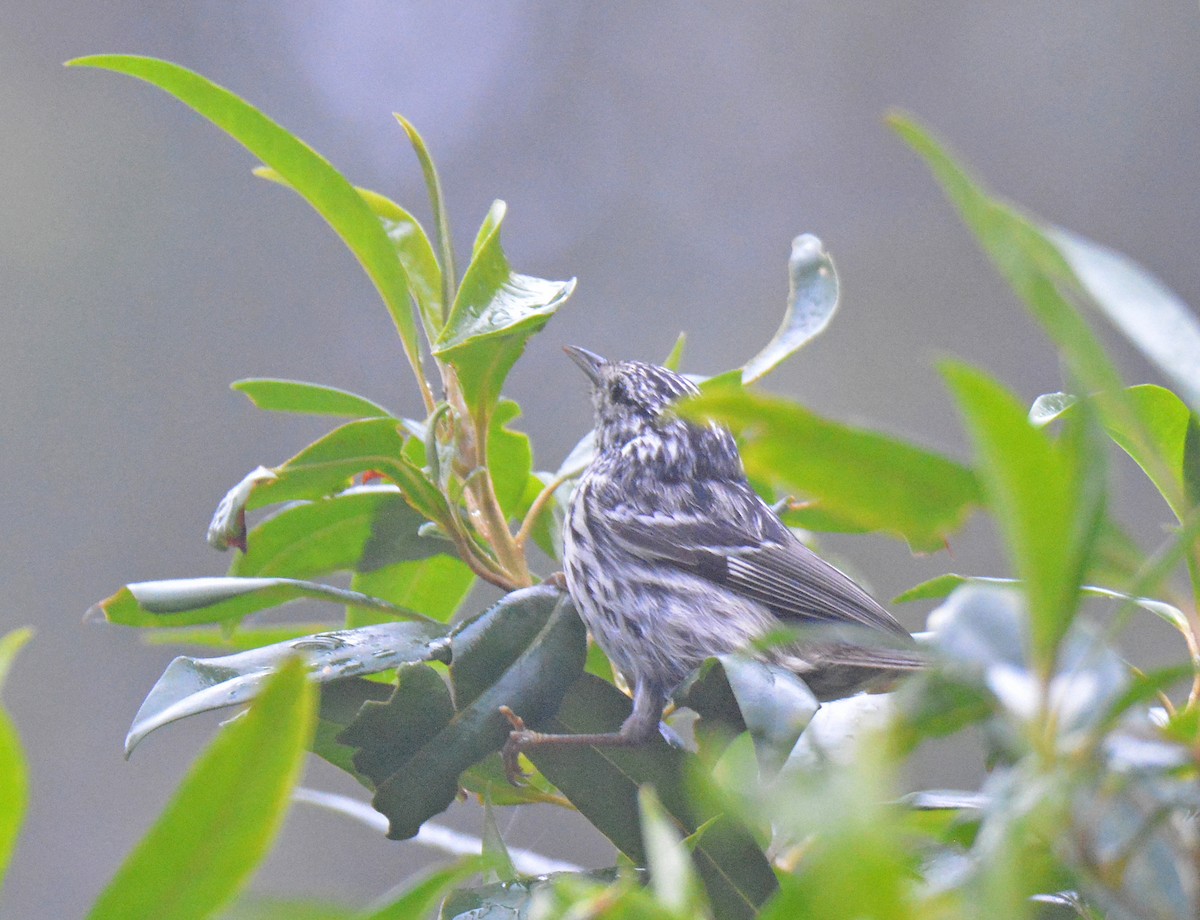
(536, 508)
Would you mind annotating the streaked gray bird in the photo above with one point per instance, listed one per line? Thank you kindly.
(671, 557)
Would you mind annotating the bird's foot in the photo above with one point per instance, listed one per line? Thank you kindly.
(510, 754)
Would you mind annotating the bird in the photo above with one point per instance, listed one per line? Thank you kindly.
(671, 557)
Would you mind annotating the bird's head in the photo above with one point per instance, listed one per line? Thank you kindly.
(629, 396)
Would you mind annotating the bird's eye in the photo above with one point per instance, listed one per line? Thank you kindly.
(618, 394)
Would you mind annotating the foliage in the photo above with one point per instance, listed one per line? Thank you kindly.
(1088, 810)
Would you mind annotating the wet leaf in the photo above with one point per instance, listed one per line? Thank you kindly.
(523, 652)
(1165, 441)
(224, 815)
(1152, 317)
(193, 685)
(361, 530)
(327, 465)
(188, 601)
(812, 301)
(495, 313)
(306, 398)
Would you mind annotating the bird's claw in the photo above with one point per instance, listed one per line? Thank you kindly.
(510, 754)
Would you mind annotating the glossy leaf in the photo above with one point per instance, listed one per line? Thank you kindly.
(188, 601)
(224, 815)
(524, 653)
(324, 467)
(812, 301)
(510, 459)
(742, 694)
(303, 168)
(603, 783)
(412, 247)
(1164, 443)
(193, 685)
(1152, 317)
(861, 477)
(437, 204)
(238, 639)
(14, 774)
(435, 587)
(341, 702)
(306, 398)
(494, 314)
(674, 359)
(1047, 497)
(361, 530)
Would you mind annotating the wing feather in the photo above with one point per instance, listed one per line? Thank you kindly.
(753, 554)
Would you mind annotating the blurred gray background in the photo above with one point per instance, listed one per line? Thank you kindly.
(664, 153)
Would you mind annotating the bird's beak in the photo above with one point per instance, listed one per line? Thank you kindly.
(588, 362)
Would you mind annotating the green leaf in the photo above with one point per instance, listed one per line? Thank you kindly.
(1038, 265)
(435, 587)
(672, 877)
(412, 247)
(1164, 439)
(14, 774)
(437, 204)
(510, 459)
(743, 694)
(310, 174)
(512, 900)
(494, 315)
(674, 359)
(193, 685)
(225, 638)
(418, 900)
(812, 301)
(524, 652)
(188, 601)
(306, 398)
(1021, 253)
(1047, 498)
(863, 478)
(1152, 317)
(323, 468)
(224, 815)
(360, 530)
(603, 783)
(495, 851)
(341, 702)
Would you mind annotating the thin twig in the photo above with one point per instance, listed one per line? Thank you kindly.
(538, 505)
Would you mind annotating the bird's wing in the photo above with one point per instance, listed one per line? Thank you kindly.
(753, 554)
